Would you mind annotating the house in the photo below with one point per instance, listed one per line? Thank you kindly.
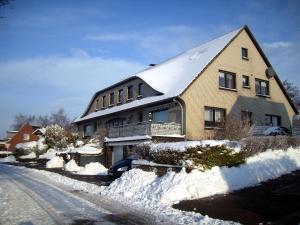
(3, 144)
(189, 96)
(24, 134)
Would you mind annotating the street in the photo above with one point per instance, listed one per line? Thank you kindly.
(26, 201)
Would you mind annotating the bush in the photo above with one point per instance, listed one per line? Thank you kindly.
(55, 136)
(167, 157)
(141, 151)
(257, 144)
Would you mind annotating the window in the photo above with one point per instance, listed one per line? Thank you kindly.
(121, 96)
(214, 117)
(272, 120)
(103, 101)
(246, 82)
(117, 122)
(112, 98)
(262, 87)
(244, 53)
(26, 137)
(140, 117)
(160, 116)
(129, 92)
(88, 130)
(141, 89)
(226, 80)
(246, 117)
(97, 105)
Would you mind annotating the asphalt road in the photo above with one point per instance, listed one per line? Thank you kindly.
(27, 201)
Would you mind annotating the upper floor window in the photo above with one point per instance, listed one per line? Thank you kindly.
(112, 98)
(214, 117)
(245, 53)
(26, 137)
(104, 101)
(129, 92)
(97, 105)
(262, 87)
(141, 89)
(227, 80)
(121, 96)
(272, 120)
(246, 81)
(160, 116)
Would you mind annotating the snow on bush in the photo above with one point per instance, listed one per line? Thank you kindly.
(41, 146)
(94, 168)
(274, 131)
(49, 154)
(27, 146)
(79, 143)
(8, 159)
(173, 187)
(55, 162)
(72, 166)
(55, 136)
(32, 155)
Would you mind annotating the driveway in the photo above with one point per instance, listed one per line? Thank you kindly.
(273, 202)
(24, 200)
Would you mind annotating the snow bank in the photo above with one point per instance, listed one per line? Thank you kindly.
(49, 154)
(93, 169)
(8, 159)
(55, 162)
(184, 145)
(79, 143)
(72, 166)
(5, 152)
(27, 145)
(32, 155)
(174, 187)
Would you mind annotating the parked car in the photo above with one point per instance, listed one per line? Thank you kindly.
(119, 167)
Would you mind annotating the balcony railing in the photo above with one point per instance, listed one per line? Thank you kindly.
(145, 128)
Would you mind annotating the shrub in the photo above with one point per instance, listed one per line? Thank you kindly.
(55, 136)
(257, 144)
(167, 157)
(141, 151)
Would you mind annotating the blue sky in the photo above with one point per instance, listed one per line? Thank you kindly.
(58, 53)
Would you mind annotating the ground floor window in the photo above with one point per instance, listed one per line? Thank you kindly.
(88, 130)
(246, 117)
(272, 120)
(214, 117)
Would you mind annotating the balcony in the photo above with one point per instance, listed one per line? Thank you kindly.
(145, 128)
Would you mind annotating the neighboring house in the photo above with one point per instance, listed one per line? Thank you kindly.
(24, 134)
(3, 144)
(190, 96)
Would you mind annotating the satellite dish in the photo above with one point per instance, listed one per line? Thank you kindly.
(270, 72)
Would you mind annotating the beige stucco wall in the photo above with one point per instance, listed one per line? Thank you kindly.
(204, 91)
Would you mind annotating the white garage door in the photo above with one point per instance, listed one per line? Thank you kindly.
(117, 153)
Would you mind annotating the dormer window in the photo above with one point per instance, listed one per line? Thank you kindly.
(97, 105)
(245, 53)
(141, 89)
(112, 99)
(130, 92)
(121, 96)
(103, 101)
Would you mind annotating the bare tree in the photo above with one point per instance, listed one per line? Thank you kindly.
(43, 120)
(293, 91)
(60, 118)
(21, 119)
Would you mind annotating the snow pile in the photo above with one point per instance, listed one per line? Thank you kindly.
(8, 159)
(41, 146)
(55, 162)
(94, 168)
(5, 152)
(27, 145)
(49, 154)
(174, 187)
(79, 143)
(72, 166)
(184, 145)
(274, 131)
(32, 155)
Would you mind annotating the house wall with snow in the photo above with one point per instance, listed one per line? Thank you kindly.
(205, 91)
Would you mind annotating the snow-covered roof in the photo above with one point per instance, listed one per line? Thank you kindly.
(172, 76)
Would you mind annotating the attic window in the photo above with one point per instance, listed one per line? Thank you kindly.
(120, 96)
(245, 53)
(103, 101)
(97, 105)
(246, 82)
(129, 92)
(141, 89)
(112, 98)
(26, 137)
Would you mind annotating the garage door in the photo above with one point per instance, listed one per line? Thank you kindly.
(117, 153)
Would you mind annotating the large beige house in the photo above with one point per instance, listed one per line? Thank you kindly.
(189, 96)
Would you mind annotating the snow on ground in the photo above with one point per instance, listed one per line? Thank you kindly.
(184, 145)
(32, 155)
(27, 145)
(55, 162)
(93, 168)
(51, 153)
(8, 159)
(72, 166)
(5, 152)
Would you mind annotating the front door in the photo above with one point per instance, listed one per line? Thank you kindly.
(117, 153)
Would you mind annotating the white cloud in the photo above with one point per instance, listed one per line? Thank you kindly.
(278, 44)
(111, 37)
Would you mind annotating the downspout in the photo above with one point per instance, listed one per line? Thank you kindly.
(181, 104)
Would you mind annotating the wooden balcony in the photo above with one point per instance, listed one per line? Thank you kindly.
(145, 128)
